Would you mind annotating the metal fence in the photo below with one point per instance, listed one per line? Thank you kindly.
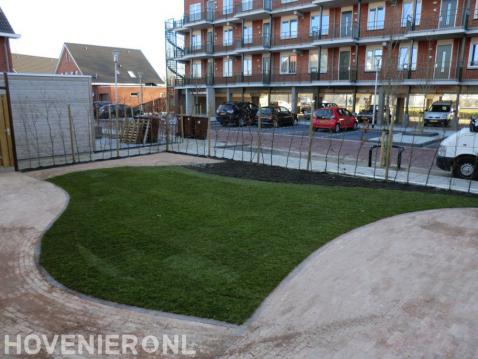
(359, 153)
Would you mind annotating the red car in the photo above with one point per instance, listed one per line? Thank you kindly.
(334, 119)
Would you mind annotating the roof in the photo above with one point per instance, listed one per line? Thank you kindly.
(34, 64)
(97, 61)
(6, 29)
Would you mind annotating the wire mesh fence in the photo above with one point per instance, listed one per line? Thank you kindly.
(362, 152)
(59, 136)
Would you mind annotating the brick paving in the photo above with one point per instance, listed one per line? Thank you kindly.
(406, 286)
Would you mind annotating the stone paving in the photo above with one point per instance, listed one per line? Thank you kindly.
(403, 287)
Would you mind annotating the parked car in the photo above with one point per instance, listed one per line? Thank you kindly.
(327, 104)
(334, 119)
(276, 116)
(236, 113)
(123, 111)
(367, 114)
(97, 105)
(459, 152)
(439, 113)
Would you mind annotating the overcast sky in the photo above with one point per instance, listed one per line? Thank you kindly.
(44, 25)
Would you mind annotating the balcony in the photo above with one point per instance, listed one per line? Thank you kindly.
(449, 23)
(254, 9)
(251, 43)
(199, 19)
(422, 75)
(198, 51)
(335, 34)
(284, 8)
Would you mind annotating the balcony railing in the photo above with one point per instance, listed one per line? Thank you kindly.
(389, 74)
(254, 41)
(246, 6)
(207, 16)
(446, 20)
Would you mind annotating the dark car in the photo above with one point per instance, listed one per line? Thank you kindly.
(276, 116)
(367, 114)
(123, 111)
(97, 105)
(236, 113)
(326, 105)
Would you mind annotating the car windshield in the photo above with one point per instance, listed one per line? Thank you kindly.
(265, 111)
(440, 108)
(324, 113)
(225, 107)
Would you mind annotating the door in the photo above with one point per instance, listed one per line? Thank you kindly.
(447, 13)
(266, 69)
(443, 61)
(346, 24)
(266, 35)
(6, 148)
(344, 65)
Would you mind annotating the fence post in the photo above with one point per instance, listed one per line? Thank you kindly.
(70, 123)
(166, 122)
(259, 144)
(209, 136)
(309, 151)
(117, 131)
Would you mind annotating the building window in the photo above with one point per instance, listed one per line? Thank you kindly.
(247, 33)
(227, 7)
(288, 64)
(407, 12)
(131, 74)
(288, 29)
(227, 67)
(315, 23)
(196, 41)
(196, 69)
(314, 61)
(473, 55)
(376, 17)
(247, 5)
(227, 37)
(404, 58)
(247, 66)
(373, 58)
(195, 12)
(134, 94)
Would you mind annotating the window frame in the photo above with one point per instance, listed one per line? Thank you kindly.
(289, 34)
(414, 58)
(376, 25)
(373, 49)
(229, 67)
(473, 43)
(289, 56)
(247, 60)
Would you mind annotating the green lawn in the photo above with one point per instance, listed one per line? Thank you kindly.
(213, 247)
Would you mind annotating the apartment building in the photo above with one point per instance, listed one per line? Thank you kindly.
(292, 51)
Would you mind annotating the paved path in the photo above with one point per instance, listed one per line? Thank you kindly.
(402, 287)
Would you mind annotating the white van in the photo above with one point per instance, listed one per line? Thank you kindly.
(459, 152)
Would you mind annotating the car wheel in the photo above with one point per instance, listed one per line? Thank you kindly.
(337, 128)
(445, 124)
(425, 124)
(465, 167)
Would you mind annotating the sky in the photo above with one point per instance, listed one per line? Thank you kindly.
(44, 25)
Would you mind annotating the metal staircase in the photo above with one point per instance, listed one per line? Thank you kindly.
(174, 52)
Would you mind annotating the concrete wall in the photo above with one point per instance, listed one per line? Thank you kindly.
(39, 106)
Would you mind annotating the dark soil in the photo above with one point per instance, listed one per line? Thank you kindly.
(257, 172)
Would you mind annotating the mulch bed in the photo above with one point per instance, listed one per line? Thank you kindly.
(247, 170)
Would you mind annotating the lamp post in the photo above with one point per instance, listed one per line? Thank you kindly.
(140, 75)
(378, 61)
(116, 54)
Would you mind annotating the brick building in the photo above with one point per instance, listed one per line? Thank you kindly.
(296, 51)
(6, 33)
(136, 77)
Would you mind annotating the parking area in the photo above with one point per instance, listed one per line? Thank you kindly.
(428, 138)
